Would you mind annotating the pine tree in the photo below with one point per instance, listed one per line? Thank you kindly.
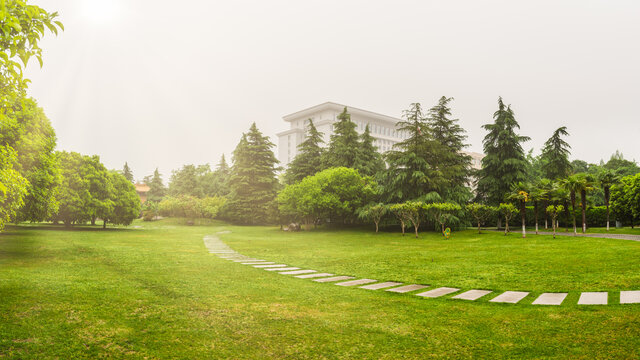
(555, 155)
(309, 158)
(504, 162)
(126, 172)
(410, 174)
(450, 160)
(342, 144)
(221, 177)
(253, 182)
(369, 161)
(157, 190)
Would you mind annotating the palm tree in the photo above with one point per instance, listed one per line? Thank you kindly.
(520, 195)
(539, 193)
(586, 184)
(572, 184)
(607, 178)
(545, 189)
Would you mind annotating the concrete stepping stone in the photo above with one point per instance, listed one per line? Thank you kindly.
(356, 282)
(438, 292)
(407, 288)
(550, 299)
(270, 266)
(335, 278)
(282, 268)
(472, 294)
(247, 260)
(258, 263)
(630, 297)
(297, 272)
(381, 285)
(593, 298)
(510, 297)
(310, 276)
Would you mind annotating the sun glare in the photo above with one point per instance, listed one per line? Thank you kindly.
(100, 12)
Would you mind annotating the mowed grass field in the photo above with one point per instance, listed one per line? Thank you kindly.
(155, 292)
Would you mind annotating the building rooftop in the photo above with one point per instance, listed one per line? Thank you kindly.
(339, 107)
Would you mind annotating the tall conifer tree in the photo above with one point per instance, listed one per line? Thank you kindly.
(454, 165)
(126, 172)
(157, 190)
(410, 174)
(309, 158)
(369, 161)
(342, 150)
(555, 155)
(504, 163)
(253, 182)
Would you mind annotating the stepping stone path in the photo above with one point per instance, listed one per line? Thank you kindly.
(407, 288)
(356, 282)
(297, 272)
(629, 297)
(472, 294)
(510, 297)
(310, 276)
(335, 278)
(550, 299)
(380, 285)
(220, 249)
(438, 292)
(593, 298)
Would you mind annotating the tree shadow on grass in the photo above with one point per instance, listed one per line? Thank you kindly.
(50, 227)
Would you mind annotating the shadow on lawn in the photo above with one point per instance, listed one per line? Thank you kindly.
(52, 227)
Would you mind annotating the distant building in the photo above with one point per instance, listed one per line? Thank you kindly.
(142, 190)
(382, 128)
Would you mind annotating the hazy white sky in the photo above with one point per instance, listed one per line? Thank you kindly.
(165, 83)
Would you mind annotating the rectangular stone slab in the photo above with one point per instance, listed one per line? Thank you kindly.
(472, 294)
(380, 285)
(246, 260)
(593, 298)
(335, 278)
(510, 297)
(270, 266)
(550, 299)
(258, 263)
(297, 272)
(310, 276)
(630, 297)
(407, 288)
(438, 292)
(282, 268)
(356, 282)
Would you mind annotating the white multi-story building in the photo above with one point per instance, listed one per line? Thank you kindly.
(382, 128)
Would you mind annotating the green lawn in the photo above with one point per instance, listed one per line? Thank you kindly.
(155, 292)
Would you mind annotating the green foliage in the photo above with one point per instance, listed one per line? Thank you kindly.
(191, 207)
(100, 193)
(34, 141)
(621, 166)
(253, 183)
(443, 213)
(334, 194)
(157, 190)
(411, 174)
(13, 187)
(126, 203)
(454, 165)
(504, 162)
(507, 210)
(74, 190)
(369, 161)
(126, 172)
(309, 159)
(625, 199)
(555, 155)
(410, 212)
(480, 213)
(373, 212)
(150, 210)
(198, 181)
(342, 150)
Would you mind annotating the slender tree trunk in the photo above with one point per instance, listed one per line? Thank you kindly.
(523, 211)
(442, 228)
(415, 228)
(606, 202)
(583, 198)
(573, 214)
(535, 210)
(93, 220)
(104, 224)
(479, 227)
(376, 227)
(554, 227)
(402, 225)
(506, 226)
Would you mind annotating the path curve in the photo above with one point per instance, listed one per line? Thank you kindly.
(222, 250)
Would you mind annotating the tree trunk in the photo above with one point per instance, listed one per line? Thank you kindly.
(104, 224)
(402, 225)
(554, 227)
(415, 228)
(583, 198)
(606, 202)
(573, 214)
(479, 227)
(535, 211)
(523, 212)
(442, 229)
(376, 227)
(506, 226)
(93, 220)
